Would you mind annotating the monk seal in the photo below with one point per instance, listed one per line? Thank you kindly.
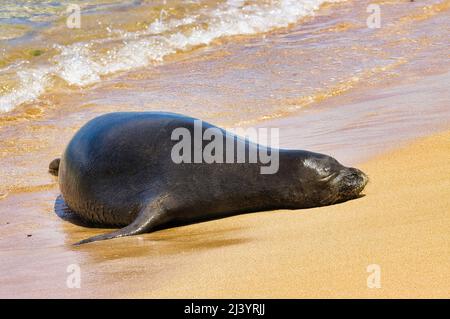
(118, 171)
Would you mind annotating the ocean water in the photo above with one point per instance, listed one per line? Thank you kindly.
(38, 49)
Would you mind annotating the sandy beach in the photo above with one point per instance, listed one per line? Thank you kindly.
(376, 99)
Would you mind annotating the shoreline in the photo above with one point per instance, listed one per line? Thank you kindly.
(383, 118)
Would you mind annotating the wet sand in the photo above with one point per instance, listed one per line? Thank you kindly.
(402, 225)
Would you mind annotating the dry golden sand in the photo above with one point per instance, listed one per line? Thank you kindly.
(402, 224)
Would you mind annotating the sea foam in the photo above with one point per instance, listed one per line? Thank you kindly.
(79, 64)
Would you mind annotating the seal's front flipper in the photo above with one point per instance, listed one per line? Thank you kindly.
(151, 216)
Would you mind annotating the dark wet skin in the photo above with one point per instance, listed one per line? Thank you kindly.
(117, 171)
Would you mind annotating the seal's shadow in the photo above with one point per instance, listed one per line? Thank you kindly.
(159, 244)
(66, 214)
(360, 195)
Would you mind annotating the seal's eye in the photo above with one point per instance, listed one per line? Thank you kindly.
(319, 166)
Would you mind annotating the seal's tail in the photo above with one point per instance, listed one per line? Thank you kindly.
(53, 167)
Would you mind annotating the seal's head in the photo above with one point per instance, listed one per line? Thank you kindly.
(333, 182)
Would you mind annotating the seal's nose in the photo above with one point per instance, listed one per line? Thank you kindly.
(365, 178)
